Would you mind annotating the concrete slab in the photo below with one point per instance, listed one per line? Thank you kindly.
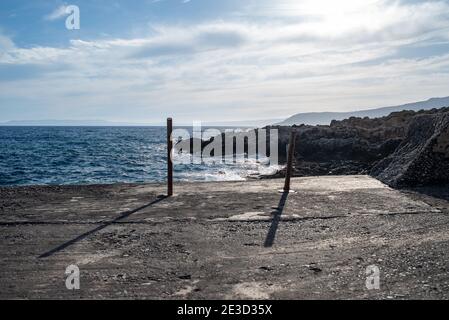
(224, 240)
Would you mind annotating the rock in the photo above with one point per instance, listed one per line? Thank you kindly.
(402, 149)
(313, 267)
(423, 156)
(266, 268)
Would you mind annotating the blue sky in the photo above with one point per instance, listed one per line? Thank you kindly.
(212, 60)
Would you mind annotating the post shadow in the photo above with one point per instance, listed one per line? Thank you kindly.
(122, 216)
(269, 240)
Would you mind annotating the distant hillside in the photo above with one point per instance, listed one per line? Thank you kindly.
(243, 123)
(325, 118)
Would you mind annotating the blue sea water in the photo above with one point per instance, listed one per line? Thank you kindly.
(99, 155)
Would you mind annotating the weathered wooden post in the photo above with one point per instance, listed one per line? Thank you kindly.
(291, 153)
(169, 157)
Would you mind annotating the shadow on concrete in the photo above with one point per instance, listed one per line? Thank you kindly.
(436, 191)
(122, 216)
(269, 240)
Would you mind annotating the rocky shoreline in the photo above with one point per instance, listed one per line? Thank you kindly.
(403, 149)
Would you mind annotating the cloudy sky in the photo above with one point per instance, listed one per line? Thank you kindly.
(207, 60)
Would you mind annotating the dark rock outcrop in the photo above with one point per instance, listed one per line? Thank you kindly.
(351, 146)
(423, 156)
(406, 148)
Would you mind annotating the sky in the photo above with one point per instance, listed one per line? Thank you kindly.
(217, 60)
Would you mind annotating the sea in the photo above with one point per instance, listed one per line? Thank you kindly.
(102, 155)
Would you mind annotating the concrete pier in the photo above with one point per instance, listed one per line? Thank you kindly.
(226, 240)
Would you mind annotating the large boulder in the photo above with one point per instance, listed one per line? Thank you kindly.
(423, 156)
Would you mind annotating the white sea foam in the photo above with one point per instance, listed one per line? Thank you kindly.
(227, 171)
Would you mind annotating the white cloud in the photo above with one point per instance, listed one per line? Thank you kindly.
(58, 13)
(248, 70)
(5, 43)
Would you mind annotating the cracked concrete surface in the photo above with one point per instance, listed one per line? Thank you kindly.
(225, 240)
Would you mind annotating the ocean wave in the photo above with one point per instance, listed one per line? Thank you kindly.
(61, 156)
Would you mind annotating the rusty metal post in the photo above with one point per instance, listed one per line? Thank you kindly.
(169, 157)
(291, 151)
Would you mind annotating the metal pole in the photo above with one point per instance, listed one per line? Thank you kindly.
(169, 157)
(291, 151)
